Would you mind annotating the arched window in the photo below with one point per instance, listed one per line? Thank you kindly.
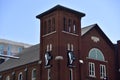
(8, 78)
(96, 54)
(74, 27)
(20, 76)
(34, 74)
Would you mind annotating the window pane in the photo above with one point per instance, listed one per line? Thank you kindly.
(1, 49)
(96, 54)
(91, 69)
(102, 71)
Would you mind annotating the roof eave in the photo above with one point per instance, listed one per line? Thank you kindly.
(59, 7)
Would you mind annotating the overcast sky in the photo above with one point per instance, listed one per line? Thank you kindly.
(18, 17)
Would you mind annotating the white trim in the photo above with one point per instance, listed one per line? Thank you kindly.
(39, 62)
(96, 51)
(59, 58)
(72, 48)
(49, 74)
(49, 34)
(71, 74)
(96, 60)
(47, 47)
(95, 39)
(50, 47)
(68, 46)
(70, 33)
(9, 56)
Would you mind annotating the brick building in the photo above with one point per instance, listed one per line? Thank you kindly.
(66, 51)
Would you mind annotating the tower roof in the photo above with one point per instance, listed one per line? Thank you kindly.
(59, 7)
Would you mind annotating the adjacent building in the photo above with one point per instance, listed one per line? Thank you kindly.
(8, 47)
(66, 51)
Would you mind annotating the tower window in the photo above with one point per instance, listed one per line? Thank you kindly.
(49, 26)
(74, 27)
(49, 77)
(45, 27)
(64, 24)
(49, 47)
(70, 47)
(69, 25)
(53, 24)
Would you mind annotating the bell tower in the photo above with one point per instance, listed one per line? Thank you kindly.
(60, 42)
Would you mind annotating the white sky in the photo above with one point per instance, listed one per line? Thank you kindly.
(18, 17)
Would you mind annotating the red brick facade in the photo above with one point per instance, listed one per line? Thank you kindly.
(65, 50)
(107, 50)
(60, 38)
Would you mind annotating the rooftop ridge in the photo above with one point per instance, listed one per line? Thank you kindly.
(15, 43)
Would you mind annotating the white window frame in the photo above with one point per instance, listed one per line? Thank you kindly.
(71, 74)
(8, 78)
(91, 69)
(49, 77)
(33, 77)
(102, 71)
(20, 75)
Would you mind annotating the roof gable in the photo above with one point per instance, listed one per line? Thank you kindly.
(86, 30)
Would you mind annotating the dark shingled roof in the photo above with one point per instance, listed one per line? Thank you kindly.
(29, 55)
(59, 7)
(86, 29)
